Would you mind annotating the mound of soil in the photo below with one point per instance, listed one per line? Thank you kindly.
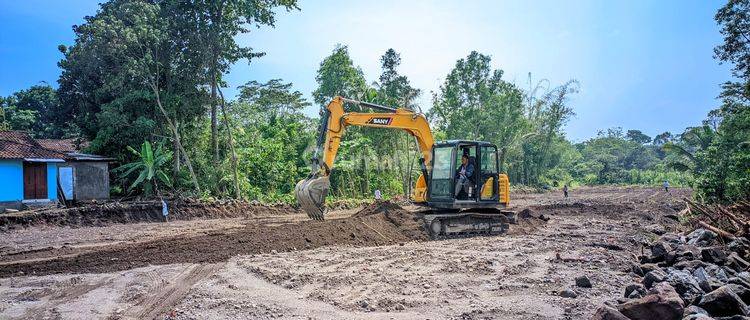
(408, 223)
(527, 220)
(378, 208)
(133, 212)
(386, 225)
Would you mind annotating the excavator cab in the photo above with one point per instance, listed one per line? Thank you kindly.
(485, 187)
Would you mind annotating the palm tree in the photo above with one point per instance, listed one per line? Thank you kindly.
(149, 166)
(696, 139)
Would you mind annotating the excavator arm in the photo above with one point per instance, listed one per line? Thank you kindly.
(311, 192)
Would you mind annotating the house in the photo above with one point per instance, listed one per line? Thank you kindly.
(32, 173)
(82, 176)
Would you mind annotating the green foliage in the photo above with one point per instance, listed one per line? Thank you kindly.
(271, 137)
(148, 169)
(36, 110)
(721, 160)
(637, 136)
(337, 76)
(138, 68)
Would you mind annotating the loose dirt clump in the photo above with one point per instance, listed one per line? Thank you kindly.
(133, 212)
(394, 225)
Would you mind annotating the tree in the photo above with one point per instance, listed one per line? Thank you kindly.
(211, 27)
(125, 56)
(394, 89)
(15, 119)
(475, 102)
(272, 136)
(337, 76)
(272, 99)
(722, 169)
(547, 115)
(637, 136)
(734, 20)
(662, 138)
(148, 166)
(36, 110)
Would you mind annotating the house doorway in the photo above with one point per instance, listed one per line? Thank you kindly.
(34, 180)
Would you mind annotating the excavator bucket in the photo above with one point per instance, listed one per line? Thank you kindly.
(311, 195)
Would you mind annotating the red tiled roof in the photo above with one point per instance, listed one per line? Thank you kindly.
(63, 145)
(19, 145)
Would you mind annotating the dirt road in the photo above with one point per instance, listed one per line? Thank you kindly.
(363, 267)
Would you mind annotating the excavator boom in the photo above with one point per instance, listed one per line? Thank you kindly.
(311, 192)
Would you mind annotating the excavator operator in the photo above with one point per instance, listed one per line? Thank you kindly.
(464, 176)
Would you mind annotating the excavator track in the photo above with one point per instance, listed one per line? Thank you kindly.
(441, 225)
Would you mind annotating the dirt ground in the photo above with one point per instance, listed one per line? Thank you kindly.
(367, 265)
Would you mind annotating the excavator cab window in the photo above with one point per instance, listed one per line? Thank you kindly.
(442, 173)
(488, 173)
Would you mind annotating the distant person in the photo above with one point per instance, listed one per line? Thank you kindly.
(666, 186)
(464, 175)
(378, 195)
(565, 191)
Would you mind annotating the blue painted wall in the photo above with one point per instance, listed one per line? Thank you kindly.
(51, 180)
(11, 180)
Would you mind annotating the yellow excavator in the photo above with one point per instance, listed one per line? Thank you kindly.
(474, 207)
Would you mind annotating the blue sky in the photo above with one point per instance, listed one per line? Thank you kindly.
(642, 64)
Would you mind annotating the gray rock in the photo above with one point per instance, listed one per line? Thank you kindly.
(723, 302)
(663, 302)
(568, 293)
(583, 282)
(635, 291)
(655, 276)
(740, 246)
(707, 282)
(694, 310)
(697, 317)
(701, 237)
(685, 285)
(637, 270)
(744, 275)
(736, 262)
(734, 317)
(689, 265)
(672, 238)
(608, 313)
(742, 291)
(715, 255)
(659, 251)
(688, 252)
(738, 281)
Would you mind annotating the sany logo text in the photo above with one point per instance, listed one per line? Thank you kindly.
(380, 121)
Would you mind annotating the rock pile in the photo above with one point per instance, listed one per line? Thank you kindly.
(689, 277)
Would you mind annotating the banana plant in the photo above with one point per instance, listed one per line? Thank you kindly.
(148, 168)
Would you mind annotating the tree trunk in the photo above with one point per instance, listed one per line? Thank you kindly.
(176, 134)
(237, 193)
(176, 158)
(214, 119)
